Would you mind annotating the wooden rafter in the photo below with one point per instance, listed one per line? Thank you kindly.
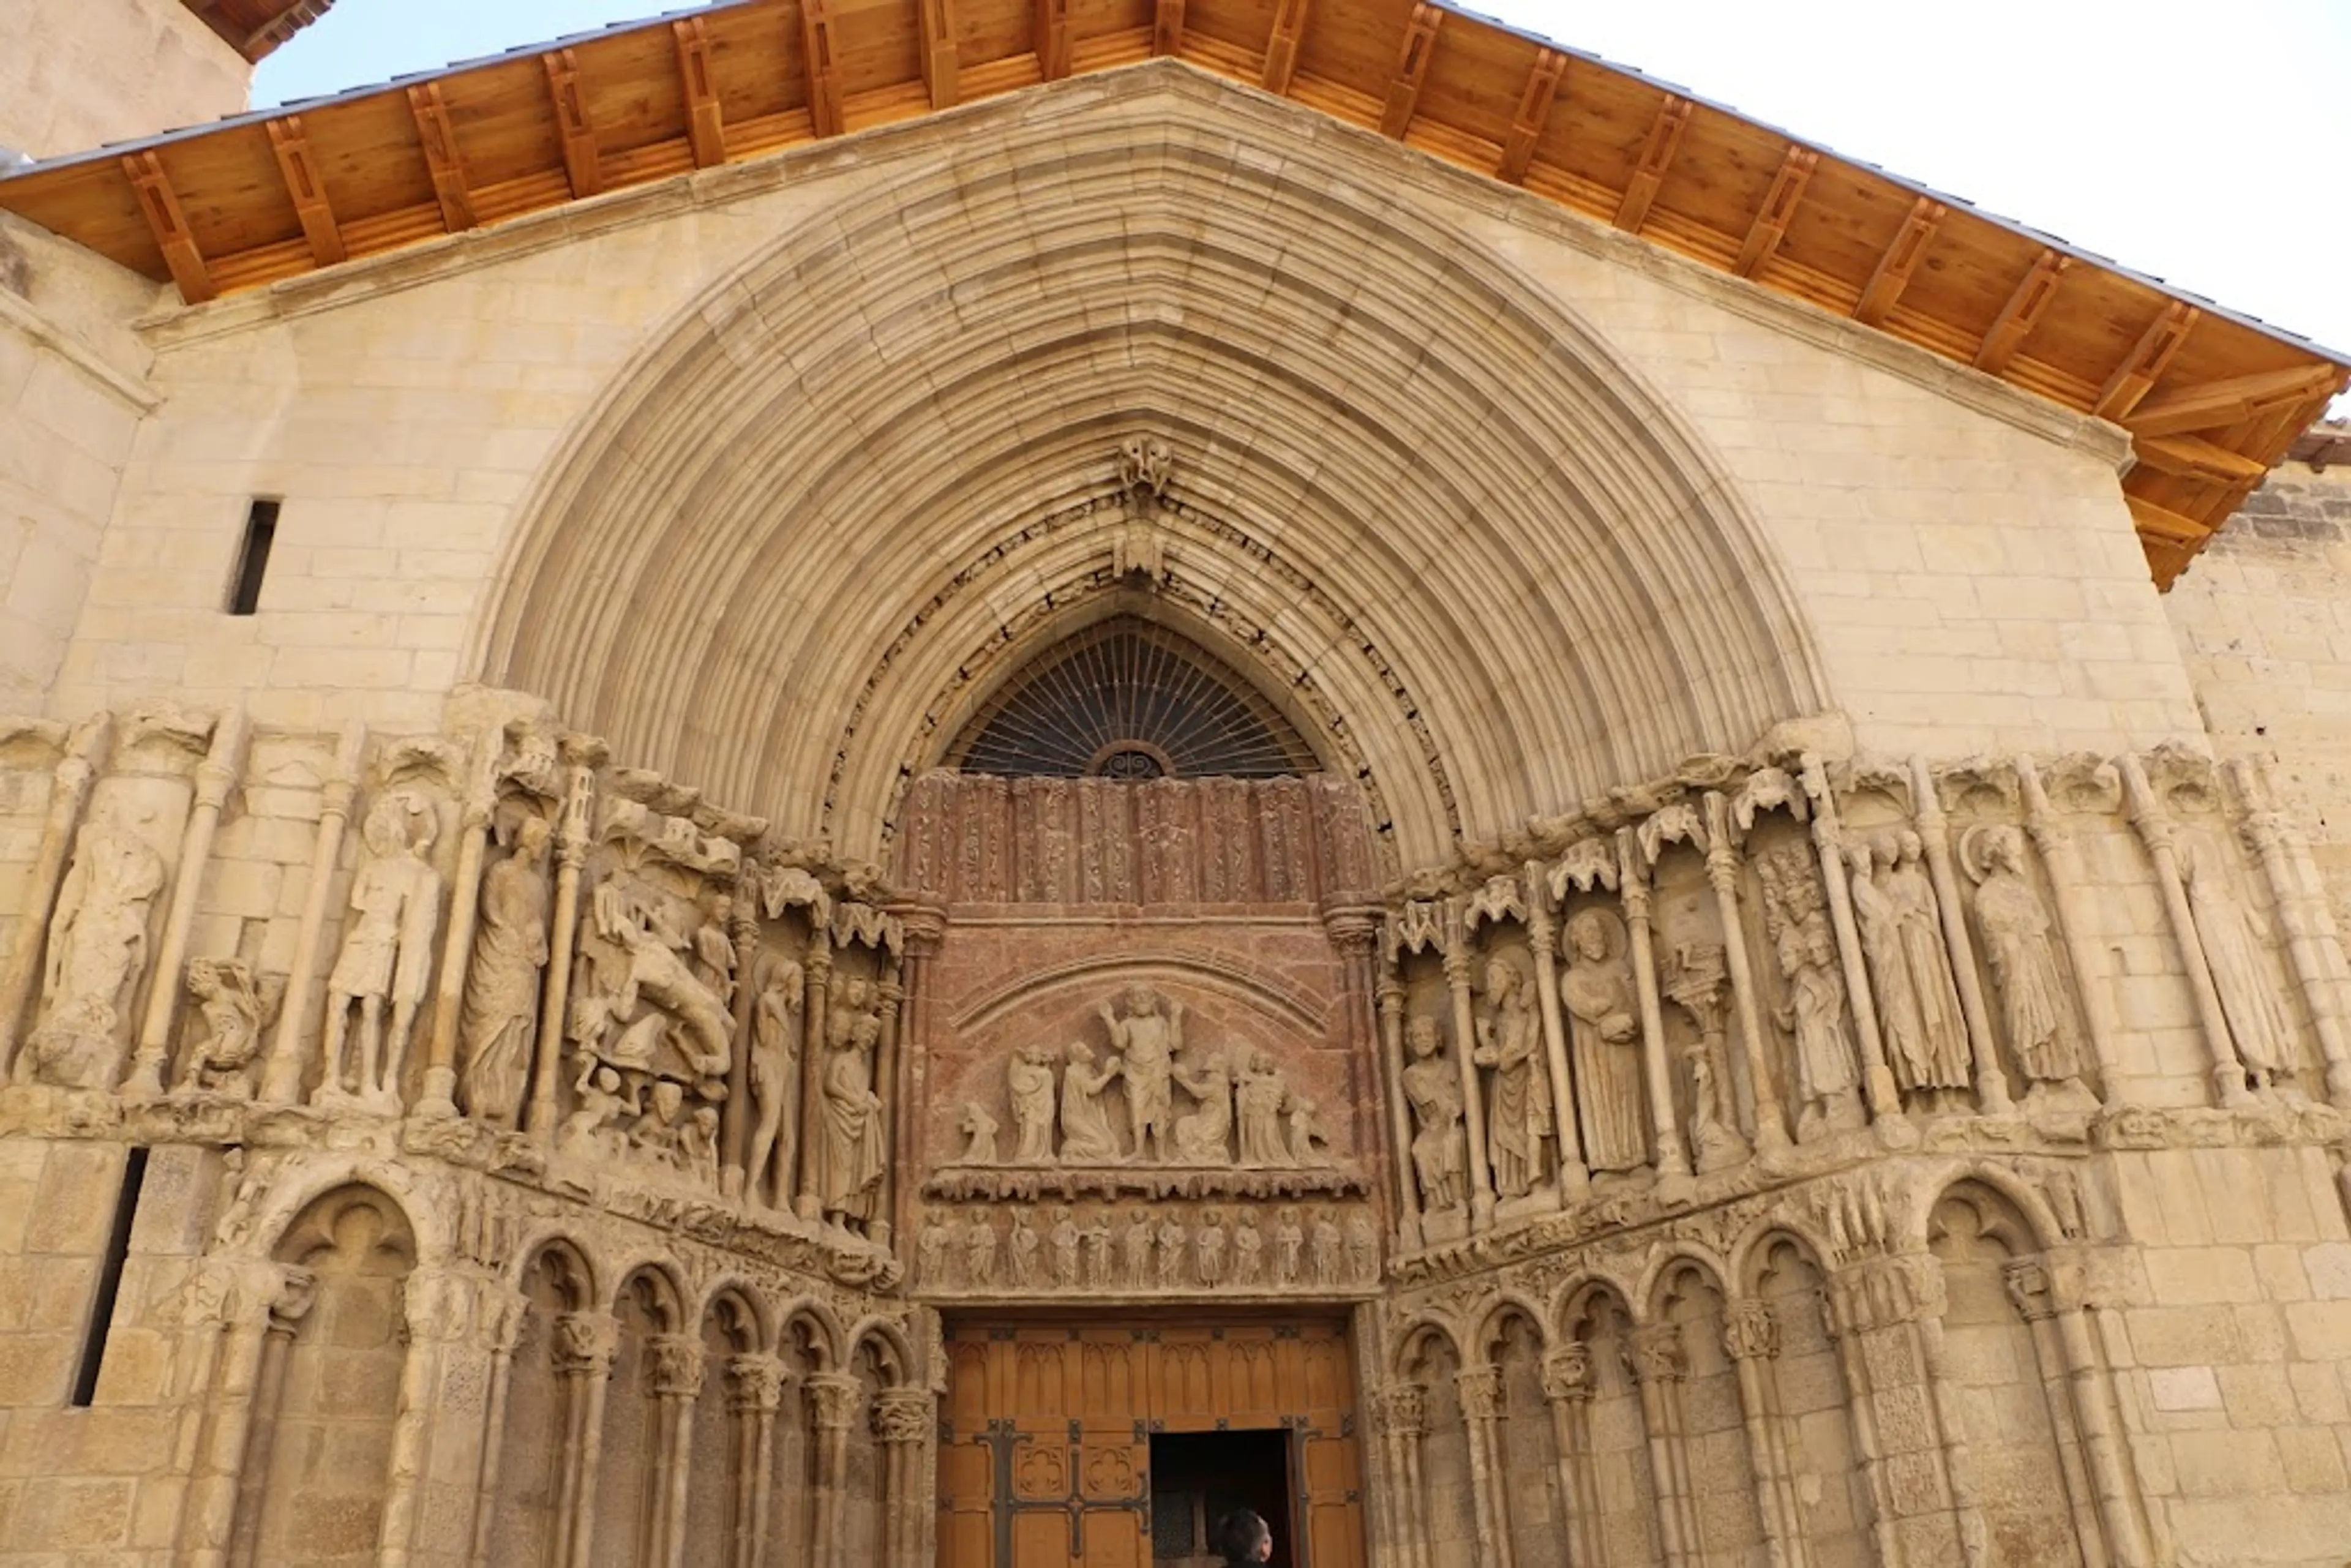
(299, 167)
(1535, 103)
(438, 138)
(1167, 28)
(2193, 458)
(1901, 259)
(1664, 140)
(1052, 39)
(2217, 405)
(2163, 523)
(941, 67)
(1411, 70)
(582, 167)
(2149, 358)
(1281, 46)
(1770, 225)
(160, 204)
(2027, 303)
(705, 120)
(823, 67)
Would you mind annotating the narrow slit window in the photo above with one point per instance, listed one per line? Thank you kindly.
(109, 1279)
(252, 560)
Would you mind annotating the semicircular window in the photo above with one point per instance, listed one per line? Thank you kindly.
(1128, 699)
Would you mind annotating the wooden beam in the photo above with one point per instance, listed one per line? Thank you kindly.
(1779, 209)
(1908, 249)
(582, 164)
(2027, 303)
(2193, 458)
(1282, 49)
(1052, 39)
(2163, 523)
(1167, 27)
(1535, 102)
(942, 69)
(439, 140)
(705, 119)
(1656, 157)
(299, 167)
(823, 68)
(2218, 404)
(161, 206)
(2149, 358)
(1411, 70)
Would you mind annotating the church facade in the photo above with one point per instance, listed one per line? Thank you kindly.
(816, 785)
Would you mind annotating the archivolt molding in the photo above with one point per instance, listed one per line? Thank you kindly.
(805, 459)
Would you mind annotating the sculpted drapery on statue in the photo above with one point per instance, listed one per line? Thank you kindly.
(1433, 1086)
(1605, 1032)
(1519, 1114)
(2022, 955)
(501, 1012)
(1146, 1036)
(1086, 1134)
(2257, 1021)
(387, 952)
(97, 946)
(852, 1163)
(1918, 1004)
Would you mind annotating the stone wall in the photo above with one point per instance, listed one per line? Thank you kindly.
(79, 75)
(2263, 623)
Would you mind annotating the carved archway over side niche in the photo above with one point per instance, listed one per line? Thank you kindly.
(912, 383)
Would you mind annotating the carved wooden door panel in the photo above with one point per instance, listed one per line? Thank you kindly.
(1048, 1460)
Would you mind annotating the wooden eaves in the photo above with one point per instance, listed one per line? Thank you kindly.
(255, 27)
(2212, 399)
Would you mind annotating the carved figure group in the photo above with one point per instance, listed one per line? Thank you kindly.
(1164, 1251)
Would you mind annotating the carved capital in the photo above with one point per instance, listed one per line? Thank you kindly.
(2030, 1288)
(833, 1398)
(1750, 1331)
(904, 1414)
(755, 1383)
(674, 1363)
(1886, 1292)
(1482, 1391)
(508, 1316)
(1407, 1409)
(1567, 1373)
(585, 1343)
(335, 796)
(1656, 1353)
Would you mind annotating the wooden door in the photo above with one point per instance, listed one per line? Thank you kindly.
(1046, 1462)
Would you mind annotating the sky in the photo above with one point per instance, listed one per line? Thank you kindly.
(2201, 142)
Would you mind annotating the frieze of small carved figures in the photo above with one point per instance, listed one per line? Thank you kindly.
(1187, 1103)
(1067, 1247)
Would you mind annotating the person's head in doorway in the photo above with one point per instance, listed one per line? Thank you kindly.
(1244, 1537)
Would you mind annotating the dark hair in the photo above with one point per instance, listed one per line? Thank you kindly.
(1239, 1533)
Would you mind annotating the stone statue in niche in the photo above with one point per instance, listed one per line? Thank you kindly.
(1363, 1248)
(1518, 1110)
(1260, 1098)
(2257, 1021)
(1095, 1238)
(1309, 1144)
(1439, 1147)
(387, 953)
(234, 1005)
(1694, 978)
(938, 1236)
(1603, 1031)
(851, 1171)
(1289, 1247)
(1204, 1136)
(501, 1011)
(1134, 1249)
(2021, 954)
(98, 945)
(978, 1129)
(1086, 1135)
(774, 1038)
(1326, 1250)
(980, 1252)
(1248, 1251)
(1063, 1239)
(1022, 1244)
(1918, 1004)
(1804, 946)
(1171, 1252)
(1030, 1075)
(1145, 1037)
(713, 951)
(1209, 1247)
